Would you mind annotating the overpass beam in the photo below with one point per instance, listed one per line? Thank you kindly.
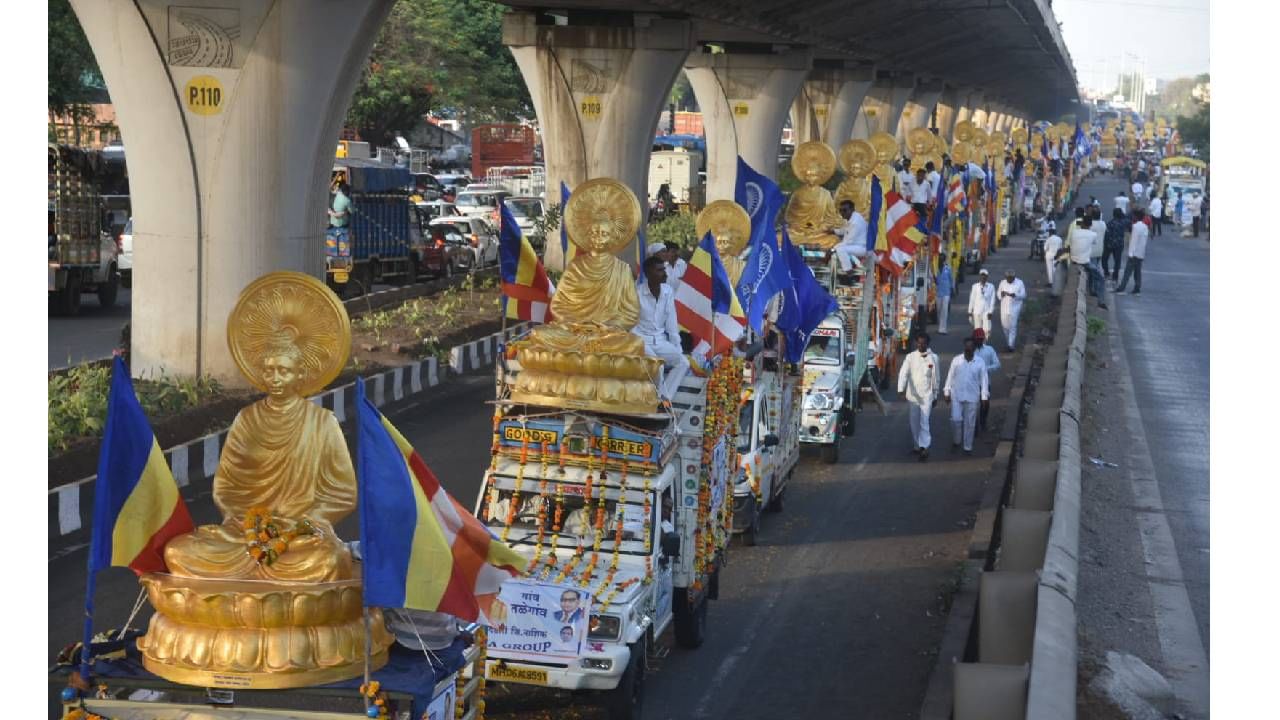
(948, 109)
(883, 106)
(828, 103)
(598, 92)
(919, 110)
(231, 147)
(745, 99)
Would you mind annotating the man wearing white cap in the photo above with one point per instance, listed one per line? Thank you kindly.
(676, 266)
(982, 302)
(1011, 292)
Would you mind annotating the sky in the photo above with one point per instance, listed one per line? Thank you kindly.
(1174, 37)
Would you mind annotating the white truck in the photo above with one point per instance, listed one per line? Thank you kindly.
(830, 387)
(677, 169)
(83, 257)
(624, 523)
(768, 442)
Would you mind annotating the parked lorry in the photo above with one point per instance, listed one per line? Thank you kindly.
(502, 144)
(678, 170)
(83, 255)
(768, 441)
(378, 243)
(624, 522)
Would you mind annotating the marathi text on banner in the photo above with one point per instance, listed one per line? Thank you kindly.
(536, 621)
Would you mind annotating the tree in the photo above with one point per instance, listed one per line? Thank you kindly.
(434, 55)
(73, 72)
(1194, 130)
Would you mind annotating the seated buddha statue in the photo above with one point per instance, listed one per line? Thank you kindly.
(811, 212)
(281, 608)
(587, 357)
(730, 225)
(858, 161)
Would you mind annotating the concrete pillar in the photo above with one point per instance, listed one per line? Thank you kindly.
(882, 108)
(231, 115)
(947, 112)
(919, 110)
(598, 92)
(829, 101)
(745, 99)
(971, 102)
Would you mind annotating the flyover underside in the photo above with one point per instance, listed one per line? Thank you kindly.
(1011, 48)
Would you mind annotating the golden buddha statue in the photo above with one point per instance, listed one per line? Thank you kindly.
(730, 225)
(588, 358)
(858, 161)
(290, 614)
(811, 212)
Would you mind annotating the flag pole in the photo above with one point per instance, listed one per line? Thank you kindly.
(368, 634)
(90, 587)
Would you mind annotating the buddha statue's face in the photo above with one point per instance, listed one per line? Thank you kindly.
(603, 234)
(812, 173)
(726, 240)
(281, 375)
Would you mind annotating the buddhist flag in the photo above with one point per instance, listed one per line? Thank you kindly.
(526, 289)
(957, 201)
(422, 550)
(706, 305)
(136, 505)
(904, 224)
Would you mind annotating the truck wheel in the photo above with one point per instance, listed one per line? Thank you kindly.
(775, 505)
(68, 302)
(109, 290)
(713, 587)
(448, 269)
(363, 276)
(749, 536)
(691, 625)
(411, 275)
(831, 453)
(626, 701)
(850, 420)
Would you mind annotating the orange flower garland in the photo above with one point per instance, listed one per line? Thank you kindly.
(266, 537)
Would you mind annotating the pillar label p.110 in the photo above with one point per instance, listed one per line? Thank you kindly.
(203, 95)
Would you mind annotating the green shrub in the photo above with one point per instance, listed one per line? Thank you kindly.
(680, 229)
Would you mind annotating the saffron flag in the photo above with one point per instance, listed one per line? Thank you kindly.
(706, 305)
(805, 304)
(422, 550)
(764, 275)
(136, 505)
(526, 289)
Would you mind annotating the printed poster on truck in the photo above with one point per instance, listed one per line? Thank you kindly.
(536, 621)
(719, 474)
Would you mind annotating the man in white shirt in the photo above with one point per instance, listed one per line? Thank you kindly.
(1052, 245)
(1122, 202)
(987, 354)
(676, 265)
(658, 327)
(1157, 215)
(967, 386)
(982, 302)
(1195, 205)
(1011, 293)
(1080, 242)
(1138, 236)
(934, 177)
(904, 175)
(918, 382)
(919, 192)
(1139, 196)
(853, 237)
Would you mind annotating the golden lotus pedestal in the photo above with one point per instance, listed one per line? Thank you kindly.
(583, 368)
(259, 635)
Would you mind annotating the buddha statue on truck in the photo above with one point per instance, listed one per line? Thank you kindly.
(730, 226)
(271, 595)
(811, 212)
(587, 357)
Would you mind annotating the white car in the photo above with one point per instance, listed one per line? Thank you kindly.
(526, 211)
(124, 263)
(480, 203)
(479, 233)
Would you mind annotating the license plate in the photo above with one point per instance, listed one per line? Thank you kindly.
(341, 276)
(516, 674)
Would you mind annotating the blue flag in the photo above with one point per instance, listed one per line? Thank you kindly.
(939, 207)
(564, 236)
(763, 276)
(873, 223)
(806, 304)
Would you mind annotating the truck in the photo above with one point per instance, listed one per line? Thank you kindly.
(624, 521)
(379, 242)
(830, 386)
(768, 442)
(501, 144)
(678, 170)
(83, 255)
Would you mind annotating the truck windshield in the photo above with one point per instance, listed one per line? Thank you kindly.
(744, 426)
(525, 208)
(823, 350)
(578, 522)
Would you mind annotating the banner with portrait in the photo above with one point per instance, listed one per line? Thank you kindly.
(536, 621)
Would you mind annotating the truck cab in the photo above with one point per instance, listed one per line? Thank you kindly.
(829, 388)
(768, 444)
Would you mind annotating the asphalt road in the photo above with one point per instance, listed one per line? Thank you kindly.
(91, 335)
(841, 605)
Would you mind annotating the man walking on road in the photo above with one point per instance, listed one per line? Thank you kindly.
(1138, 237)
(1157, 215)
(987, 354)
(945, 286)
(982, 302)
(1080, 244)
(1195, 205)
(918, 383)
(1011, 292)
(1122, 202)
(1113, 244)
(967, 386)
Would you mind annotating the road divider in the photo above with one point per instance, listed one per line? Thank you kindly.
(194, 463)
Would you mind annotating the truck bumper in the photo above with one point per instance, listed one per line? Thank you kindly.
(819, 427)
(574, 677)
(745, 509)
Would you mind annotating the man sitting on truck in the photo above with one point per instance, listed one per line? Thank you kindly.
(853, 238)
(657, 325)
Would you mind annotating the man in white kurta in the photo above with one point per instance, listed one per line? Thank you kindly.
(658, 327)
(982, 302)
(853, 237)
(918, 382)
(967, 386)
(1011, 292)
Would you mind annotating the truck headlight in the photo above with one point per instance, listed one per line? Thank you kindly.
(819, 401)
(605, 627)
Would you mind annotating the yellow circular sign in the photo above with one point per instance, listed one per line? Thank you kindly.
(204, 95)
(592, 107)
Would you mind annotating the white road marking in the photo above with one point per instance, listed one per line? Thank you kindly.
(1185, 660)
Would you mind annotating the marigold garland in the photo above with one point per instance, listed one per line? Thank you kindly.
(373, 692)
(267, 538)
(514, 506)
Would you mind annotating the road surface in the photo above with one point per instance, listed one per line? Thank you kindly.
(841, 605)
(91, 335)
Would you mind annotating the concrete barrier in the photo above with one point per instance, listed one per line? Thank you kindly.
(986, 691)
(1040, 446)
(1006, 616)
(1024, 535)
(1034, 484)
(1043, 420)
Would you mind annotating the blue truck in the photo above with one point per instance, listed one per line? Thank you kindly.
(381, 241)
